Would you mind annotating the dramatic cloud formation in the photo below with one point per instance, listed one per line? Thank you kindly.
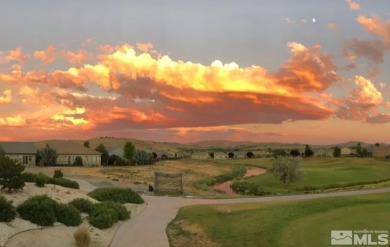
(362, 103)
(125, 88)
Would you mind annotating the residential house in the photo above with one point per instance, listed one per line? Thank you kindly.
(200, 156)
(381, 152)
(220, 155)
(345, 151)
(68, 151)
(261, 154)
(325, 153)
(25, 152)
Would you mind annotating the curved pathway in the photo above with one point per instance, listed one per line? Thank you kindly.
(148, 228)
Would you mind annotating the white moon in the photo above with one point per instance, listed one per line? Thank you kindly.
(314, 19)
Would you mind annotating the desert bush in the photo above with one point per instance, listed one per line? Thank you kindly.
(40, 180)
(29, 177)
(245, 187)
(68, 215)
(64, 182)
(121, 210)
(7, 210)
(40, 210)
(105, 214)
(58, 174)
(82, 236)
(83, 205)
(116, 194)
(102, 216)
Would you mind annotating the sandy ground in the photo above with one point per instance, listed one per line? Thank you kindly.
(226, 187)
(23, 233)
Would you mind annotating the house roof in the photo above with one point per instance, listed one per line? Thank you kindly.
(19, 147)
(381, 149)
(68, 147)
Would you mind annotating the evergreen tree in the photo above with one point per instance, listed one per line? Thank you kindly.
(128, 151)
(102, 149)
(48, 156)
(10, 173)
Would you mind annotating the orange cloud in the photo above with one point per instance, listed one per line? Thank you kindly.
(17, 55)
(333, 26)
(353, 5)
(47, 56)
(6, 98)
(78, 57)
(377, 27)
(12, 121)
(362, 102)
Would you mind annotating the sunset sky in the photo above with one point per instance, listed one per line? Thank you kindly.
(305, 71)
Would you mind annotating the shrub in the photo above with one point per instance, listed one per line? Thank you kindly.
(82, 236)
(40, 180)
(68, 215)
(64, 182)
(115, 194)
(83, 205)
(58, 174)
(40, 210)
(7, 210)
(105, 214)
(121, 210)
(103, 217)
(29, 177)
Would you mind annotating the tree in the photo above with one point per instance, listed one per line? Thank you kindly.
(295, 153)
(78, 161)
(359, 149)
(287, 170)
(308, 151)
(10, 173)
(249, 155)
(48, 156)
(142, 158)
(278, 152)
(102, 149)
(128, 151)
(377, 144)
(336, 151)
(86, 144)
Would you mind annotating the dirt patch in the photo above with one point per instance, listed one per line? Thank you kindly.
(183, 233)
(254, 171)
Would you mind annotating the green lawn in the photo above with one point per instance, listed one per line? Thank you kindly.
(325, 173)
(303, 223)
